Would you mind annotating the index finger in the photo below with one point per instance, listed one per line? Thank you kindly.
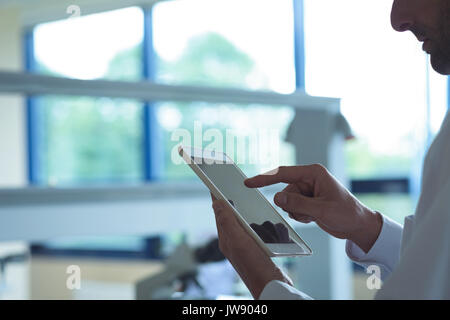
(291, 174)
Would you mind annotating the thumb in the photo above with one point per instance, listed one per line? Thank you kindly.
(300, 205)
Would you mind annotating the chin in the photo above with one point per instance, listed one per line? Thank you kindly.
(440, 65)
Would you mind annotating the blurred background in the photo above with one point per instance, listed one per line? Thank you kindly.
(89, 181)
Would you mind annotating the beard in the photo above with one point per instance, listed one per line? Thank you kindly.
(440, 53)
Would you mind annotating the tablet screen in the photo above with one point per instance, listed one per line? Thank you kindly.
(255, 210)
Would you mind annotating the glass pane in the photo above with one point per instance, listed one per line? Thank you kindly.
(251, 135)
(380, 75)
(90, 140)
(105, 45)
(244, 44)
(87, 140)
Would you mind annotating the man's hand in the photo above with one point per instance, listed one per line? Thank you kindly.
(252, 264)
(313, 194)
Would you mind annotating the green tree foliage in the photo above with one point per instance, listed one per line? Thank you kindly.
(209, 60)
(126, 65)
(91, 140)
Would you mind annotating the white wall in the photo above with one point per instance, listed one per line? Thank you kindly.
(12, 116)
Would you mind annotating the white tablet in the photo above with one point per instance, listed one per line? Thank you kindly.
(255, 213)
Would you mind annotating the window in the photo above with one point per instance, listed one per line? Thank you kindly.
(81, 140)
(351, 56)
(92, 47)
(244, 44)
(87, 140)
(203, 48)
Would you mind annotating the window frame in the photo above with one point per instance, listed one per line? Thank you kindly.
(32, 123)
(152, 147)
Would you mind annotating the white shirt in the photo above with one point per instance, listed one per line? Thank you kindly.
(414, 259)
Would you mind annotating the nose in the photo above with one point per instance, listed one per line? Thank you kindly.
(401, 17)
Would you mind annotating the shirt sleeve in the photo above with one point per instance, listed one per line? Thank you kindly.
(278, 290)
(423, 270)
(385, 252)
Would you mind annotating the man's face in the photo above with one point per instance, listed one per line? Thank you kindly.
(429, 20)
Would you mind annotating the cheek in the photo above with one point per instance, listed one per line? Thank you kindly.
(442, 29)
(445, 33)
(445, 18)
(446, 30)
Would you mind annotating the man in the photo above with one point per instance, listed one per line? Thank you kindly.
(414, 258)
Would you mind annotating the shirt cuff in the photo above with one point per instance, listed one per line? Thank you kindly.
(385, 252)
(278, 290)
